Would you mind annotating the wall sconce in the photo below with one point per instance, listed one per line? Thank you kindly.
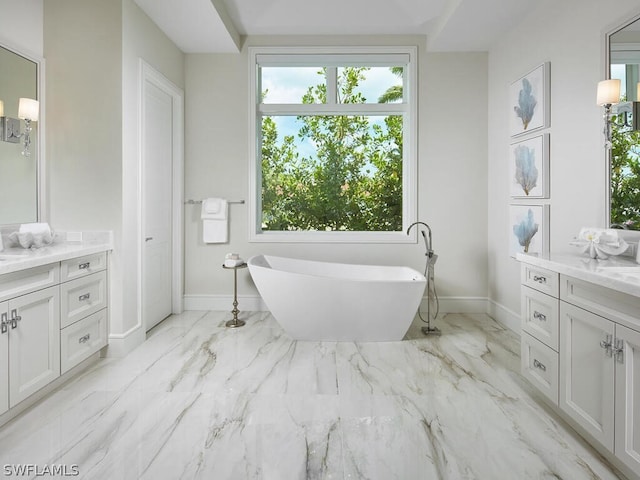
(28, 110)
(609, 97)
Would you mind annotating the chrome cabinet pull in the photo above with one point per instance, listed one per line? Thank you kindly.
(4, 323)
(539, 279)
(539, 316)
(607, 345)
(537, 364)
(85, 338)
(15, 318)
(618, 350)
(84, 266)
(84, 297)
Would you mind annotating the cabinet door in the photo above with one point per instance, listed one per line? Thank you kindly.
(627, 364)
(34, 343)
(587, 371)
(4, 363)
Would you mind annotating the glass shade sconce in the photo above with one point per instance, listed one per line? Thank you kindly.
(608, 95)
(29, 111)
(627, 114)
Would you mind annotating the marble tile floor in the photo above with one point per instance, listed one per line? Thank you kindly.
(198, 400)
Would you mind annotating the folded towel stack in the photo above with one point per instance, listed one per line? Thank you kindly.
(232, 260)
(214, 220)
(32, 235)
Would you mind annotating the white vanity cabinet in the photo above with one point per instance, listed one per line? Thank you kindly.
(539, 341)
(52, 317)
(581, 348)
(84, 309)
(587, 371)
(4, 357)
(30, 332)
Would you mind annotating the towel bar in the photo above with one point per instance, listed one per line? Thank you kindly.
(193, 202)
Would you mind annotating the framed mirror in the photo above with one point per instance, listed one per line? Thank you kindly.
(21, 76)
(623, 63)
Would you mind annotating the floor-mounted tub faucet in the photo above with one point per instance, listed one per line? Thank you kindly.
(431, 285)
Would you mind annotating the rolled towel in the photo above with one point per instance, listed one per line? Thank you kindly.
(35, 228)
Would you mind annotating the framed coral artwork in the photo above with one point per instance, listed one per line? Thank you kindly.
(529, 167)
(529, 229)
(529, 101)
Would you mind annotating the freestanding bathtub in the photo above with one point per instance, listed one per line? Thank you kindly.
(337, 301)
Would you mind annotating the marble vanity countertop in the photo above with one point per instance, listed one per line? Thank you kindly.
(618, 273)
(15, 259)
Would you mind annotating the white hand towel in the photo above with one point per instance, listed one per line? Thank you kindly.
(211, 206)
(214, 220)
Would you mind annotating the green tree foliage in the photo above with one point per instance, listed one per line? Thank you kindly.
(625, 178)
(353, 181)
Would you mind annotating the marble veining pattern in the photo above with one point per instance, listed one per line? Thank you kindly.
(197, 400)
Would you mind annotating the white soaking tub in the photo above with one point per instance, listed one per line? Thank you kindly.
(337, 301)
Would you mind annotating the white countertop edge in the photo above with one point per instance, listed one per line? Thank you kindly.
(590, 270)
(50, 254)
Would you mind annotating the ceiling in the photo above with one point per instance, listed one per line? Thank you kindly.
(219, 26)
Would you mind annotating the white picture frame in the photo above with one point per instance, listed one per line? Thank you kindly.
(528, 229)
(529, 167)
(529, 101)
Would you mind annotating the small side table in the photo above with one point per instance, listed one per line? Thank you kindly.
(235, 323)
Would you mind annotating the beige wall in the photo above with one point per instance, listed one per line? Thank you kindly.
(21, 25)
(569, 34)
(92, 49)
(452, 155)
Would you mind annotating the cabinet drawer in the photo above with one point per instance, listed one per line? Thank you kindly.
(540, 279)
(82, 266)
(26, 281)
(617, 306)
(539, 365)
(82, 339)
(540, 316)
(82, 297)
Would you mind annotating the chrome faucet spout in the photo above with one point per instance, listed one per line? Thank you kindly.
(427, 243)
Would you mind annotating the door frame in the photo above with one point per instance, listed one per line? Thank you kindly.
(151, 75)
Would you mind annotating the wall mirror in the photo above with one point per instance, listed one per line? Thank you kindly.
(20, 76)
(623, 63)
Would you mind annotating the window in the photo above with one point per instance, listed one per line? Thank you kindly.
(334, 135)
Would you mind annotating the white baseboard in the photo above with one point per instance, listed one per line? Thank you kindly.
(458, 304)
(254, 303)
(249, 303)
(502, 314)
(121, 344)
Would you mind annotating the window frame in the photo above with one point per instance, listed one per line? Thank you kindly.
(334, 57)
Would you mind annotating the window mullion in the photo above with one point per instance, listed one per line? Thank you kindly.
(335, 109)
(332, 85)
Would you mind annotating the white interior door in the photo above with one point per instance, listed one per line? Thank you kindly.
(157, 207)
